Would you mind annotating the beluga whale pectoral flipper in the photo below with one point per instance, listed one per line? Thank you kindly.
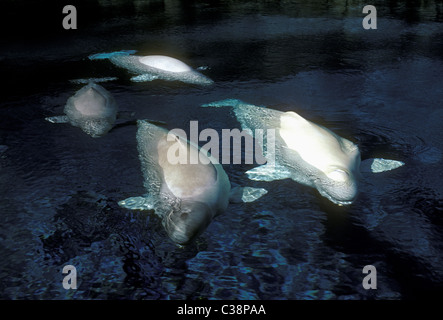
(92, 109)
(307, 152)
(185, 186)
(377, 165)
(152, 67)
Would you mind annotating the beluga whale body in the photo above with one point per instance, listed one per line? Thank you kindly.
(92, 109)
(306, 152)
(153, 67)
(185, 192)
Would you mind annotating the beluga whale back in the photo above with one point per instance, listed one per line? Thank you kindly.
(305, 152)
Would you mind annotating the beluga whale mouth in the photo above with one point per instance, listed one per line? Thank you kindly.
(338, 199)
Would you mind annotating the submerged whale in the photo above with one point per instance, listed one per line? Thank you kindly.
(185, 194)
(92, 109)
(153, 67)
(306, 152)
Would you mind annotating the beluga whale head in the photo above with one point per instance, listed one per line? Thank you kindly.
(331, 160)
(185, 224)
(92, 109)
(339, 185)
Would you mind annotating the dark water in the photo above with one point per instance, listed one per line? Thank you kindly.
(59, 188)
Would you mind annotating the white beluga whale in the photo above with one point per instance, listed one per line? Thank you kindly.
(153, 67)
(185, 192)
(306, 152)
(92, 109)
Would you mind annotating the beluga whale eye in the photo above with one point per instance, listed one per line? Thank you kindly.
(338, 175)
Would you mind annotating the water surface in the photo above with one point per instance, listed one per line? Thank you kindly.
(59, 188)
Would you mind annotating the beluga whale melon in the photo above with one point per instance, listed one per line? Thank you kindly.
(151, 67)
(188, 193)
(306, 152)
(92, 109)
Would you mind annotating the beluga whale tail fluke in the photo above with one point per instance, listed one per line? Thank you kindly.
(306, 152)
(94, 80)
(187, 195)
(108, 55)
(152, 67)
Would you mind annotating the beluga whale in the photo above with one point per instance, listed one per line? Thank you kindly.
(92, 109)
(306, 152)
(151, 67)
(186, 187)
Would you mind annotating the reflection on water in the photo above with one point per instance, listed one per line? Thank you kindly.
(59, 188)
